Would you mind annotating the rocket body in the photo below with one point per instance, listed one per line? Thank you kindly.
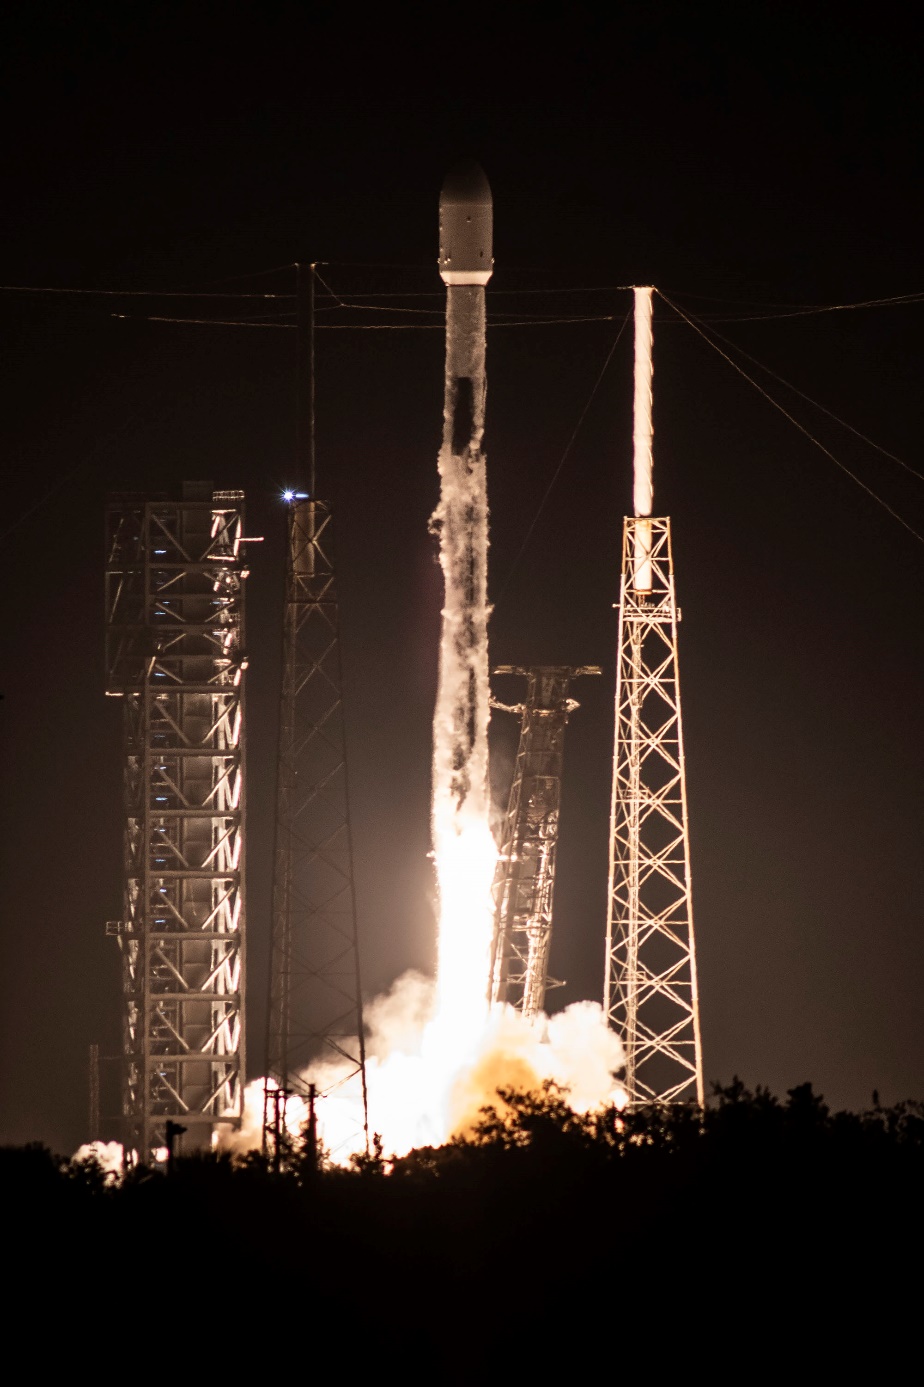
(460, 730)
(464, 853)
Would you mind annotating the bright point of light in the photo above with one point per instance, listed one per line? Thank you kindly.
(288, 495)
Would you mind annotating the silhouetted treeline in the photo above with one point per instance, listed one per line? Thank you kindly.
(543, 1241)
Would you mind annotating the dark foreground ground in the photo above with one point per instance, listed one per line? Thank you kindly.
(760, 1237)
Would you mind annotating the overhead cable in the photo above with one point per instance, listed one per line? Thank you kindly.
(818, 405)
(564, 457)
(697, 327)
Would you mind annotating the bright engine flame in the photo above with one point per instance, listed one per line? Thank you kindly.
(465, 861)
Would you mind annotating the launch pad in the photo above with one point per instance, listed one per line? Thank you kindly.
(175, 575)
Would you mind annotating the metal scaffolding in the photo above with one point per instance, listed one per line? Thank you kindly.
(650, 991)
(525, 878)
(315, 1007)
(175, 655)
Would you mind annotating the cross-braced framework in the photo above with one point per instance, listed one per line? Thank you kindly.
(175, 623)
(315, 1005)
(525, 879)
(650, 993)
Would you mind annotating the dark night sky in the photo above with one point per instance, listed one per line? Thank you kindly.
(745, 155)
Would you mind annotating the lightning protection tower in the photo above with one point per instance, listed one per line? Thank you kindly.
(175, 656)
(525, 880)
(315, 1001)
(650, 989)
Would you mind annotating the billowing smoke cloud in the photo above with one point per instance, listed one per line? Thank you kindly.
(423, 1094)
(107, 1154)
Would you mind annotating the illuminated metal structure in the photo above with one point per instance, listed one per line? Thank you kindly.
(650, 989)
(315, 1000)
(175, 655)
(525, 879)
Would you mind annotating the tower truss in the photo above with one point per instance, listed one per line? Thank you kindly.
(650, 991)
(525, 879)
(315, 1005)
(175, 656)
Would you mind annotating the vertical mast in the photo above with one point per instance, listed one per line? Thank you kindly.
(650, 990)
(315, 1001)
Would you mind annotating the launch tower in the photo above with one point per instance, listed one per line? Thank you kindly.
(175, 656)
(525, 878)
(650, 988)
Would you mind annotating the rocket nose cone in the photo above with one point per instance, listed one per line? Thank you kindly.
(465, 183)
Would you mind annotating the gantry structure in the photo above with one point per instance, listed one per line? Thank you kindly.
(525, 878)
(650, 989)
(315, 1012)
(175, 656)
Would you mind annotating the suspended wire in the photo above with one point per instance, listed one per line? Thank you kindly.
(348, 301)
(817, 405)
(92, 457)
(798, 310)
(564, 457)
(253, 274)
(202, 322)
(142, 293)
(330, 291)
(745, 303)
(495, 292)
(782, 311)
(698, 328)
(357, 327)
(834, 308)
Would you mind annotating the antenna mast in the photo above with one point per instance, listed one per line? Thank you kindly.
(315, 1002)
(650, 992)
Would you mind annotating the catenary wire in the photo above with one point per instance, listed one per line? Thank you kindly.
(140, 293)
(357, 327)
(564, 457)
(818, 405)
(801, 427)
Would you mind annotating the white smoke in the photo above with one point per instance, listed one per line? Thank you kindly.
(109, 1156)
(420, 1094)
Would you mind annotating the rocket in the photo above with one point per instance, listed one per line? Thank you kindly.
(466, 264)
(461, 519)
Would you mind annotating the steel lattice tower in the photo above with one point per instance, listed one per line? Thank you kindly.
(650, 989)
(175, 655)
(525, 879)
(315, 1000)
